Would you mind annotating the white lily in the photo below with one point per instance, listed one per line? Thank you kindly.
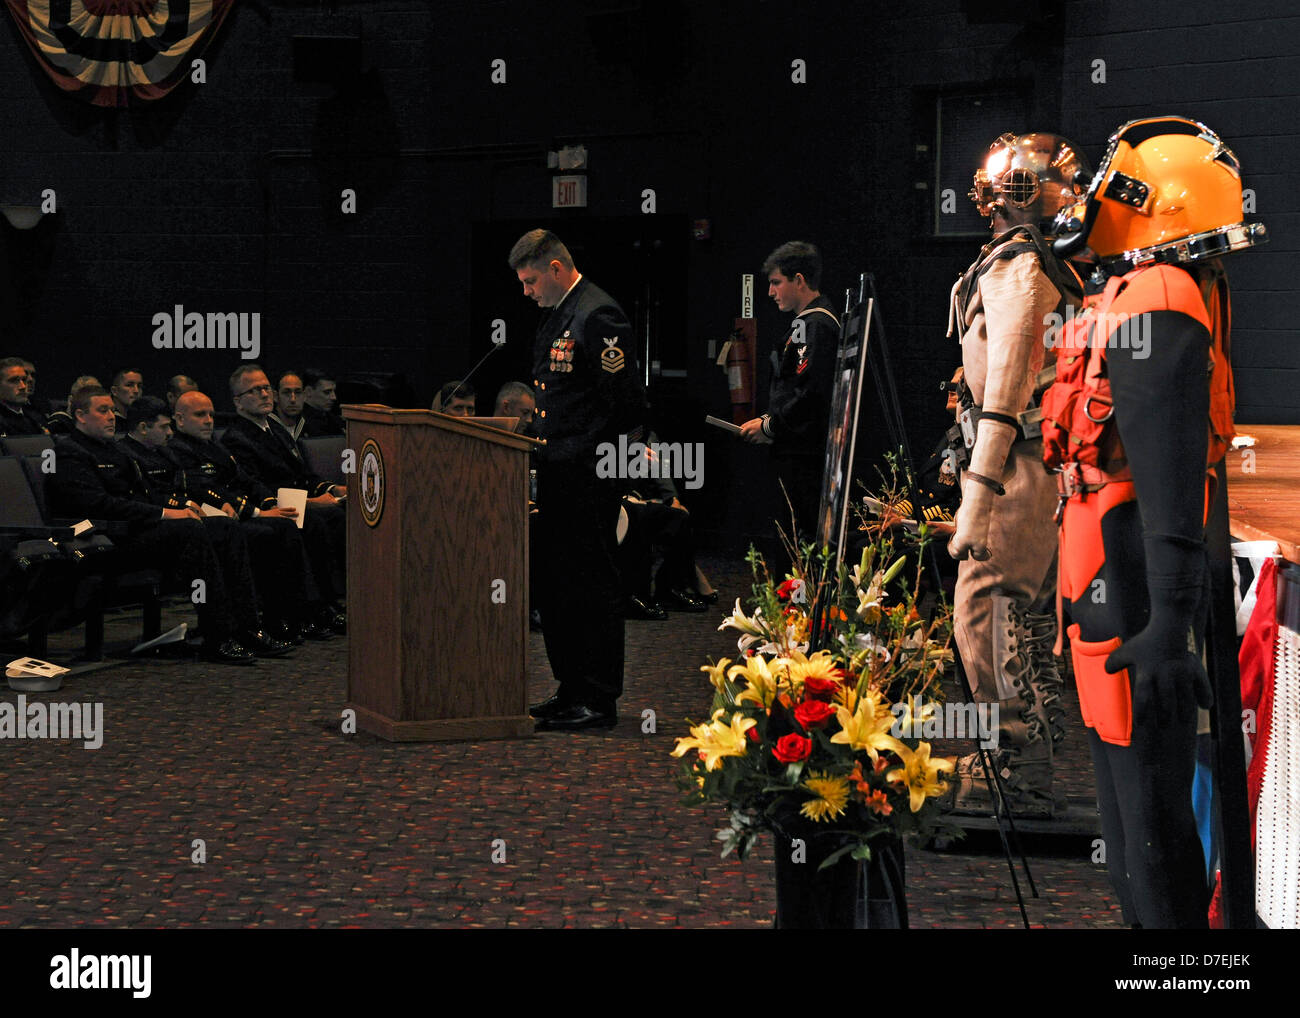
(868, 641)
(738, 620)
(870, 600)
(792, 643)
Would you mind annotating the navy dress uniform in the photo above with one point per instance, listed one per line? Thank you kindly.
(209, 466)
(799, 407)
(274, 460)
(588, 393)
(276, 550)
(96, 479)
(19, 421)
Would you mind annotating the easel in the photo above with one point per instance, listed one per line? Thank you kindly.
(855, 351)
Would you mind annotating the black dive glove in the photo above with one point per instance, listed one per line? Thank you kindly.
(1168, 678)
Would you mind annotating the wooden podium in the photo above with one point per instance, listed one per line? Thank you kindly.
(437, 576)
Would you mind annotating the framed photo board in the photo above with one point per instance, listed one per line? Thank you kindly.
(841, 436)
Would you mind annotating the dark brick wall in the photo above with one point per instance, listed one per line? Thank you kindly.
(1236, 68)
(226, 196)
(211, 200)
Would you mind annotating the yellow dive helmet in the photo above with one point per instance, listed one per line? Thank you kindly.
(1167, 190)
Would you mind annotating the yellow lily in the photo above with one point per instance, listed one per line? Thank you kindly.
(869, 600)
(915, 715)
(717, 739)
(717, 673)
(867, 727)
(762, 681)
(920, 774)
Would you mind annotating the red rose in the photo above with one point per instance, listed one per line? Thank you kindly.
(813, 714)
(790, 588)
(820, 689)
(792, 748)
(752, 734)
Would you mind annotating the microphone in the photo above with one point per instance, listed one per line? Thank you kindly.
(456, 391)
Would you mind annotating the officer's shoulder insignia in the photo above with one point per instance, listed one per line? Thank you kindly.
(612, 358)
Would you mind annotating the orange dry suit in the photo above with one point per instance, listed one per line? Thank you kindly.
(1145, 361)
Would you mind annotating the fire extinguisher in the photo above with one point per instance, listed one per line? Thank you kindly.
(740, 369)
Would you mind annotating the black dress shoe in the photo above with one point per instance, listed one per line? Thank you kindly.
(231, 652)
(682, 601)
(576, 719)
(332, 619)
(263, 644)
(710, 598)
(310, 629)
(549, 707)
(635, 608)
(285, 632)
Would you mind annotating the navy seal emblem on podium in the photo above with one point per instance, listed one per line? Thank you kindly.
(372, 482)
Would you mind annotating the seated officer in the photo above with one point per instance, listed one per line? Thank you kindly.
(148, 427)
(289, 406)
(456, 399)
(95, 479)
(267, 453)
(16, 415)
(36, 404)
(176, 385)
(658, 525)
(61, 422)
(149, 432)
(290, 603)
(516, 399)
(127, 387)
(210, 472)
(320, 411)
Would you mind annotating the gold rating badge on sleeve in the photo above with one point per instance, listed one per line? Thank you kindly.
(612, 359)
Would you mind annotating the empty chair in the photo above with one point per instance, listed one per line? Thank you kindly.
(26, 445)
(19, 507)
(22, 508)
(324, 456)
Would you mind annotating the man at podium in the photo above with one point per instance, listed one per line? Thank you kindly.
(588, 393)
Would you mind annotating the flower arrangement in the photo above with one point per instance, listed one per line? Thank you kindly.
(802, 739)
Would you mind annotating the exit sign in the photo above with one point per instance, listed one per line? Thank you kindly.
(569, 192)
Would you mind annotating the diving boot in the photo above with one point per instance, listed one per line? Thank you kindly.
(1024, 775)
(1022, 758)
(1045, 677)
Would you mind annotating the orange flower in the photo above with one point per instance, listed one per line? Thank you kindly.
(878, 802)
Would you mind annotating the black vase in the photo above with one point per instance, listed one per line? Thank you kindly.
(850, 894)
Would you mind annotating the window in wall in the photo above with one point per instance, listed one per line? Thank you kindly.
(966, 124)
